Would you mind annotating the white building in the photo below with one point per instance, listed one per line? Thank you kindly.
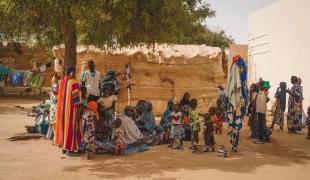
(279, 44)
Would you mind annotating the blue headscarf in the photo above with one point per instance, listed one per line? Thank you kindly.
(70, 70)
(243, 77)
(281, 95)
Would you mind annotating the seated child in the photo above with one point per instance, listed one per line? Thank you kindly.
(177, 127)
(194, 123)
(118, 135)
(308, 122)
(208, 133)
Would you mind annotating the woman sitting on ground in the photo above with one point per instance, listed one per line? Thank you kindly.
(132, 134)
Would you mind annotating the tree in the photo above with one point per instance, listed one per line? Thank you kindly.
(103, 23)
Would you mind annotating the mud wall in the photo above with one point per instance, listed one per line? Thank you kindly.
(159, 81)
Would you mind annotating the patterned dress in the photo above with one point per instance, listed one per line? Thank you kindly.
(295, 108)
(89, 135)
(90, 141)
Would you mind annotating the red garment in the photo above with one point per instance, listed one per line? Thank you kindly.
(217, 123)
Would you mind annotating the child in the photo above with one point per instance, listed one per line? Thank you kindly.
(194, 123)
(219, 114)
(208, 133)
(213, 117)
(119, 138)
(252, 111)
(308, 122)
(89, 117)
(261, 108)
(165, 122)
(53, 109)
(107, 109)
(177, 127)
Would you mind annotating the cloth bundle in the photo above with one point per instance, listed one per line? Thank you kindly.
(18, 78)
(37, 81)
(28, 75)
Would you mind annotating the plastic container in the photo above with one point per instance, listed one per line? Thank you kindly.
(42, 128)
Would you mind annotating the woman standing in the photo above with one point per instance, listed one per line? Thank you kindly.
(68, 128)
(294, 106)
(278, 116)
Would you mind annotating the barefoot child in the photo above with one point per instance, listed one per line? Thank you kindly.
(119, 138)
(208, 133)
(177, 127)
(194, 123)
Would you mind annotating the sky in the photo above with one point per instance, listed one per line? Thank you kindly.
(232, 16)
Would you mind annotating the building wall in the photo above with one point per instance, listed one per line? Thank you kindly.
(279, 42)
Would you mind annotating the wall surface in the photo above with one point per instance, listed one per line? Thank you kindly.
(279, 44)
(157, 78)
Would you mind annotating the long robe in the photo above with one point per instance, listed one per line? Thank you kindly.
(72, 125)
(295, 108)
(59, 113)
(68, 129)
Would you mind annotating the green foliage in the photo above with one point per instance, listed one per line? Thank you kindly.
(107, 23)
(102, 22)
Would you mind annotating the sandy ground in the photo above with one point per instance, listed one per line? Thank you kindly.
(287, 157)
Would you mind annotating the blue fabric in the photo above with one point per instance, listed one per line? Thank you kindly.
(165, 122)
(70, 70)
(243, 78)
(136, 148)
(281, 95)
(148, 118)
(18, 78)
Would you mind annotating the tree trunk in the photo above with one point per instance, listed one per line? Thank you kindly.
(153, 43)
(70, 40)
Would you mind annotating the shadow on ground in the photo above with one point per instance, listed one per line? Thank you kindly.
(161, 159)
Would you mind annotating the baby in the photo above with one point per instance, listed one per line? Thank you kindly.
(118, 134)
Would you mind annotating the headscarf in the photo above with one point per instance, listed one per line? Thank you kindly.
(281, 95)
(148, 117)
(70, 71)
(165, 122)
(93, 106)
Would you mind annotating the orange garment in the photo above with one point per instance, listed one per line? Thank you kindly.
(59, 127)
(236, 58)
(217, 123)
(93, 106)
(186, 120)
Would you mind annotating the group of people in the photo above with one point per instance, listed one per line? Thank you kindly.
(296, 118)
(83, 115)
(181, 122)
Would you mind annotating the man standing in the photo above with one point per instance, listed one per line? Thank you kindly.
(90, 79)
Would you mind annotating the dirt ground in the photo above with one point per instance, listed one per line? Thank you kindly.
(286, 157)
